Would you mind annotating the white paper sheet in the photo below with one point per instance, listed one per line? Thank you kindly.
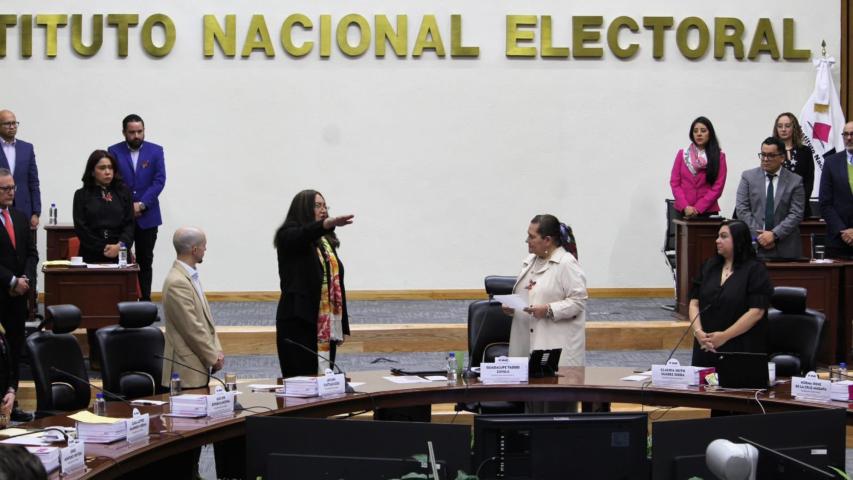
(512, 301)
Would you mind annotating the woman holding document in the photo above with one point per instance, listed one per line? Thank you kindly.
(553, 285)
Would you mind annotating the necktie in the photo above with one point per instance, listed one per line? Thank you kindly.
(768, 204)
(10, 229)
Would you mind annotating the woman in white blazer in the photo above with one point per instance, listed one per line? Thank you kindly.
(554, 285)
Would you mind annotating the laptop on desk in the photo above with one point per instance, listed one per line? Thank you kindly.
(742, 370)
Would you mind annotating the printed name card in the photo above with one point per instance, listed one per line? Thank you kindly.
(137, 427)
(331, 383)
(220, 402)
(673, 374)
(811, 387)
(72, 458)
(505, 370)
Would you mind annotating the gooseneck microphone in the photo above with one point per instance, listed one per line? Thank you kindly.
(347, 387)
(209, 376)
(87, 382)
(695, 317)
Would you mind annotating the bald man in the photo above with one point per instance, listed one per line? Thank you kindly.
(836, 198)
(190, 334)
(19, 157)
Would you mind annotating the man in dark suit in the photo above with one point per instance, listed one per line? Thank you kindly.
(143, 169)
(18, 255)
(771, 200)
(836, 198)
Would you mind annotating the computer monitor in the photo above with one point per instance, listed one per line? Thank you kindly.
(354, 438)
(559, 446)
(816, 437)
(332, 467)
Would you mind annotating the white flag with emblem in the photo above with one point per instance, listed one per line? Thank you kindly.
(821, 118)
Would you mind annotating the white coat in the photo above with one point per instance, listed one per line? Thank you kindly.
(561, 284)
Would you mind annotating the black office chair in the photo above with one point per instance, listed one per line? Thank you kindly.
(499, 285)
(488, 338)
(57, 392)
(128, 363)
(668, 249)
(794, 332)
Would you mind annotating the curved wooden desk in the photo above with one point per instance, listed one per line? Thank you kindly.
(170, 436)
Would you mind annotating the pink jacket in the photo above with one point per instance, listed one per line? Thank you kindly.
(693, 190)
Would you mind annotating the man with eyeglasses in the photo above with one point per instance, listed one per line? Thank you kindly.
(19, 158)
(836, 198)
(18, 255)
(771, 200)
(143, 170)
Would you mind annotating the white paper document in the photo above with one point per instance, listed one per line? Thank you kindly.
(512, 301)
(404, 379)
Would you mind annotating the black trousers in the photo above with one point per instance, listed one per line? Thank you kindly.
(144, 239)
(295, 361)
(13, 315)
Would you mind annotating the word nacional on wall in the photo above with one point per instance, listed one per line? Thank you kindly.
(300, 36)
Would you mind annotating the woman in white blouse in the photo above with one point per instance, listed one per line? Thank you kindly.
(554, 285)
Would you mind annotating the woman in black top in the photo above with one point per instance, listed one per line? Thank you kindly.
(103, 210)
(729, 299)
(798, 157)
(312, 310)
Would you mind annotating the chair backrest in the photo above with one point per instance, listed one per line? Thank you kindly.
(495, 350)
(794, 332)
(499, 284)
(671, 214)
(56, 391)
(128, 363)
(487, 324)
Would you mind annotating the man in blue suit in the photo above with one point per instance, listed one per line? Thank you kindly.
(143, 169)
(836, 198)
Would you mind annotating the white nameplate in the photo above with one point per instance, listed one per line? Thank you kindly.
(811, 387)
(331, 384)
(137, 427)
(220, 402)
(505, 370)
(673, 374)
(72, 458)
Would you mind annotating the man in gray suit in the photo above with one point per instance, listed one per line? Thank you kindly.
(771, 199)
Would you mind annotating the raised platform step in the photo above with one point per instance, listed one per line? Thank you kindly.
(442, 337)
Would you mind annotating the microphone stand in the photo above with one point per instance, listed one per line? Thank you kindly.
(106, 392)
(209, 376)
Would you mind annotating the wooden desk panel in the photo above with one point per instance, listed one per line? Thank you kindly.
(57, 241)
(96, 292)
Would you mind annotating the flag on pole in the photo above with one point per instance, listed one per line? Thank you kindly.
(821, 118)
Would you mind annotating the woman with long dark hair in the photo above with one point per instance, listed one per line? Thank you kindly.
(798, 156)
(555, 288)
(699, 172)
(103, 210)
(729, 298)
(312, 310)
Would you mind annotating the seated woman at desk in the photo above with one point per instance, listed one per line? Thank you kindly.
(103, 210)
(552, 282)
(729, 298)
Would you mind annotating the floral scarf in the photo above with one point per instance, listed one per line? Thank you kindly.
(695, 159)
(330, 316)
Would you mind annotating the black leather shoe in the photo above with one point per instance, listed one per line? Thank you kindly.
(19, 415)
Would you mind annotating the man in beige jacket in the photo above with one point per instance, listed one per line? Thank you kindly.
(190, 335)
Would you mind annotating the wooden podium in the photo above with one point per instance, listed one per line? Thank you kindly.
(95, 291)
(829, 285)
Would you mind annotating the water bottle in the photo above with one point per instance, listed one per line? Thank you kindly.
(451, 368)
(100, 405)
(175, 384)
(842, 371)
(53, 215)
(122, 255)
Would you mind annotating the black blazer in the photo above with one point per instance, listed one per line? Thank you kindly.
(301, 274)
(18, 260)
(98, 223)
(802, 164)
(836, 199)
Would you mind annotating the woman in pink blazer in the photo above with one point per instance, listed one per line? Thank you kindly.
(699, 172)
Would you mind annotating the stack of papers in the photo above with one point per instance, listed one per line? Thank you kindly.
(188, 405)
(49, 456)
(92, 428)
(300, 387)
(841, 390)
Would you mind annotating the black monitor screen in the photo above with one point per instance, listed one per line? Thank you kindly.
(354, 438)
(816, 437)
(329, 467)
(577, 445)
